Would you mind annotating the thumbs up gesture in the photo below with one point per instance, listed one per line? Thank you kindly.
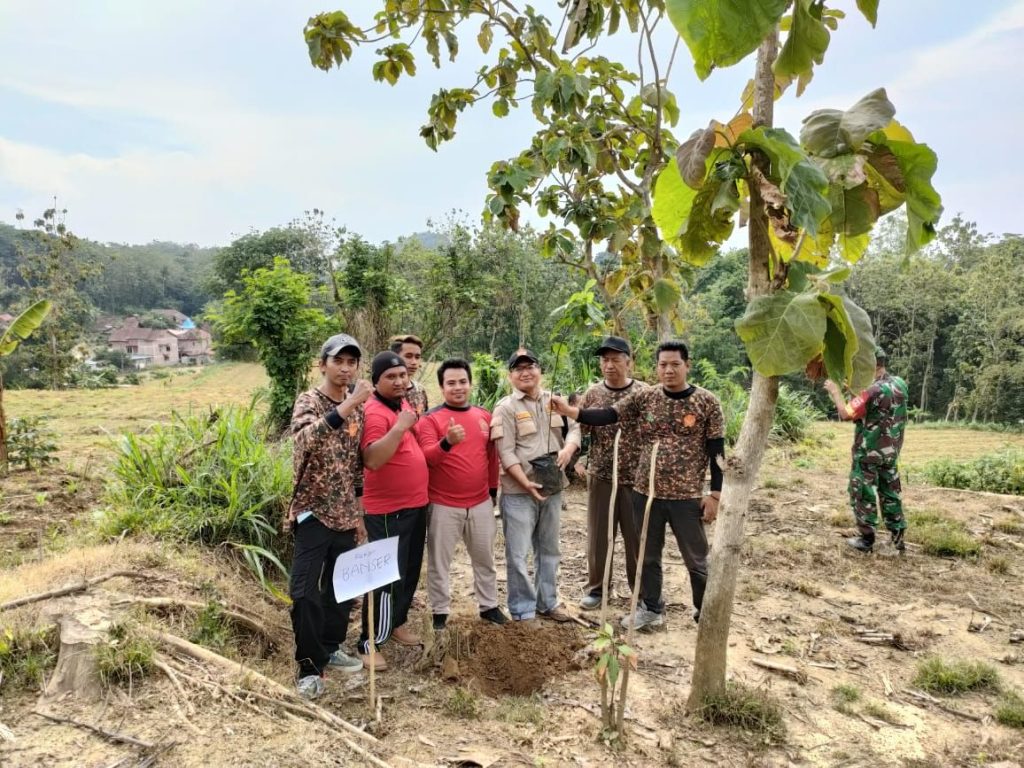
(456, 432)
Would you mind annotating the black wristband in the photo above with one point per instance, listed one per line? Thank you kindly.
(445, 445)
(334, 419)
(494, 495)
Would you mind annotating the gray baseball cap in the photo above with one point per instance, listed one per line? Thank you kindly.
(337, 344)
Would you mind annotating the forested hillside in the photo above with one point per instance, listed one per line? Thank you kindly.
(951, 317)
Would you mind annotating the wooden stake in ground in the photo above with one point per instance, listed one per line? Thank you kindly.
(636, 583)
(607, 715)
(372, 634)
(606, 578)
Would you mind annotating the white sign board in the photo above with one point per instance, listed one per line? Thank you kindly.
(359, 570)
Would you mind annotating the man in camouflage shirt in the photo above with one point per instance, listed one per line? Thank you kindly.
(880, 416)
(616, 366)
(687, 423)
(327, 423)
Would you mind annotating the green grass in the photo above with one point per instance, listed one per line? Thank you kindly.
(210, 478)
(955, 677)
(462, 703)
(85, 420)
(25, 657)
(125, 657)
(211, 628)
(998, 472)
(941, 536)
(745, 708)
(521, 709)
(1010, 710)
(881, 712)
(843, 696)
(1010, 525)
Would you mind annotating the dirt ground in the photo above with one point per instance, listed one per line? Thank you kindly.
(527, 695)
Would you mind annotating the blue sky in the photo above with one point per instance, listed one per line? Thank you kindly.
(199, 121)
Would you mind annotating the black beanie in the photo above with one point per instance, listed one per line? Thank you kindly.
(382, 361)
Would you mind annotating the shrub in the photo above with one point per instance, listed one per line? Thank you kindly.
(211, 628)
(794, 411)
(938, 675)
(999, 472)
(490, 382)
(30, 444)
(207, 478)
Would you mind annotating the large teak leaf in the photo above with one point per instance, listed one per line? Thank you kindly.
(832, 132)
(805, 45)
(864, 357)
(782, 331)
(720, 33)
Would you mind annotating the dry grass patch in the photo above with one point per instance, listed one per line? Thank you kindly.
(1010, 525)
(748, 709)
(1010, 710)
(941, 536)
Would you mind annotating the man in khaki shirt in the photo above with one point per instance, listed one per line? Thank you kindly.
(534, 446)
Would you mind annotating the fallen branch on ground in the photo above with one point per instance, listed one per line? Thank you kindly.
(789, 671)
(173, 602)
(118, 738)
(199, 653)
(72, 589)
(922, 696)
(881, 637)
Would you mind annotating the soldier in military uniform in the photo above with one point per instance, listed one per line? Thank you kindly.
(327, 423)
(410, 349)
(880, 416)
(616, 366)
(687, 422)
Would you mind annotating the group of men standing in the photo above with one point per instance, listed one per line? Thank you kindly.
(373, 461)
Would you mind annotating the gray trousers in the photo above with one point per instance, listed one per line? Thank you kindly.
(477, 528)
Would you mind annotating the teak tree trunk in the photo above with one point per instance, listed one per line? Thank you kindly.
(741, 469)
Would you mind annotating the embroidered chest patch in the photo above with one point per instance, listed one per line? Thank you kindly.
(689, 420)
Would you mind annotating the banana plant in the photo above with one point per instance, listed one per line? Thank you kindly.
(20, 329)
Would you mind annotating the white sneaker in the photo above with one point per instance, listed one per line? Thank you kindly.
(342, 661)
(311, 686)
(643, 618)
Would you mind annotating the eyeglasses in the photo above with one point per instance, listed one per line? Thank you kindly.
(524, 367)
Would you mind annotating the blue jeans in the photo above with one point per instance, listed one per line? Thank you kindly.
(531, 525)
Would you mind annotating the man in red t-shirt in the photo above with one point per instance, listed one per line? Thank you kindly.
(394, 498)
(463, 462)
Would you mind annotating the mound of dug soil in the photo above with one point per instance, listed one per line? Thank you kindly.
(520, 657)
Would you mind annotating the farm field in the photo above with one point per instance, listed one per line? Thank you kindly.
(847, 631)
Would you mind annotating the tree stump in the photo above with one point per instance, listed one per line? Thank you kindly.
(81, 631)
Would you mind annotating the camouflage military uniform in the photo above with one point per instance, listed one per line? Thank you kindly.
(881, 416)
(683, 428)
(416, 396)
(324, 514)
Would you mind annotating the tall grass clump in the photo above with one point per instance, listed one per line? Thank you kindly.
(490, 380)
(941, 536)
(998, 472)
(748, 709)
(208, 478)
(938, 675)
(794, 411)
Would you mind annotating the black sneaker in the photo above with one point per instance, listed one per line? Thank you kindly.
(440, 621)
(861, 543)
(494, 615)
(897, 540)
